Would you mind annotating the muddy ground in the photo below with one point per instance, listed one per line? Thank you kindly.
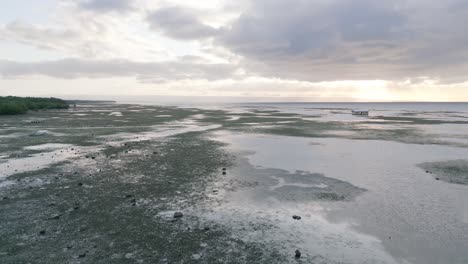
(101, 184)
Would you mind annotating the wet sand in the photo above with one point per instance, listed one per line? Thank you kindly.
(101, 184)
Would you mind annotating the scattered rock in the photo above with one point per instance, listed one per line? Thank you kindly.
(178, 214)
(5, 198)
(437, 178)
(80, 184)
(224, 169)
(128, 196)
(69, 247)
(297, 253)
(206, 228)
(76, 208)
(93, 157)
(42, 232)
(224, 173)
(82, 255)
(296, 217)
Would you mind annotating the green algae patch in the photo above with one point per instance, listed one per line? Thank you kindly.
(452, 171)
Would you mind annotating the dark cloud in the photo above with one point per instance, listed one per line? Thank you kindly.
(106, 5)
(146, 71)
(179, 23)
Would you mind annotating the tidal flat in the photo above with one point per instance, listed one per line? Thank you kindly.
(102, 183)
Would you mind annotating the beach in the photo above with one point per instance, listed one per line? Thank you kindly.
(254, 182)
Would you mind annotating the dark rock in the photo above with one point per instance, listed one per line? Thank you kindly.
(224, 173)
(178, 214)
(93, 157)
(5, 198)
(69, 247)
(206, 228)
(128, 196)
(42, 232)
(80, 184)
(297, 253)
(224, 169)
(437, 178)
(82, 255)
(296, 217)
(76, 208)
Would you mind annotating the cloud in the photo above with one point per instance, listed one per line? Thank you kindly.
(179, 23)
(144, 71)
(362, 39)
(106, 5)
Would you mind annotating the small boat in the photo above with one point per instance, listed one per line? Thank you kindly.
(360, 112)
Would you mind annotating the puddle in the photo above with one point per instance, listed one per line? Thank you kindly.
(405, 219)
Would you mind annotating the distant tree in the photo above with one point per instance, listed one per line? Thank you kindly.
(10, 105)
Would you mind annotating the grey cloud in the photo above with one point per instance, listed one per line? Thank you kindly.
(361, 39)
(106, 5)
(179, 23)
(145, 71)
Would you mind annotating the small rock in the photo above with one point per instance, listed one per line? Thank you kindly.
(128, 196)
(82, 255)
(224, 169)
(69, 247)
(93, 157)
(76, 208)
(206, 228)
(224, 173)
(80, 184)
(42, 232)
(5, 198)
(178, 214)
(297, 253)
(54, 217)
(437, 178)
(296, 217)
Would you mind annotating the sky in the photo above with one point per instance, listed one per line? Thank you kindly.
(266, 50)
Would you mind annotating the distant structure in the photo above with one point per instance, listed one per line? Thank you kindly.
(360, 112)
